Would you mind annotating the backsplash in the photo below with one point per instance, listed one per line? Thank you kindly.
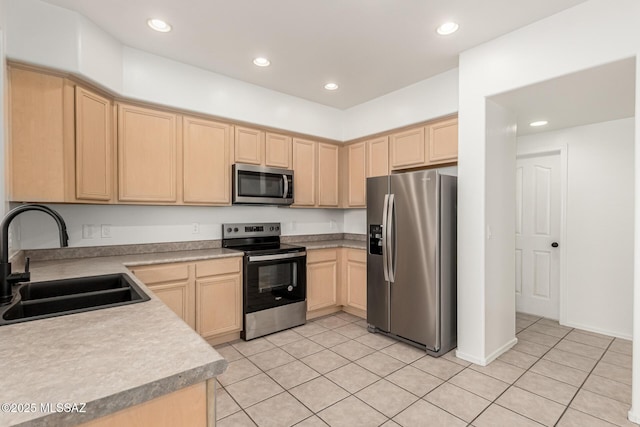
(133, 225)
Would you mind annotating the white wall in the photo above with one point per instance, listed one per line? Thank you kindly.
(599, 34)
(152, 78)
(355, 221)
(599, 242)
(427, 99)
(153, 224)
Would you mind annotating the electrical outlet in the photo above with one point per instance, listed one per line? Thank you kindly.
(195, 228)
(105, 231)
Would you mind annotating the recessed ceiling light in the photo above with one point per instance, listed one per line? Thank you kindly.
(159, 25)
(331, 86)
(262, 62)
(538, 123)
(447, 28)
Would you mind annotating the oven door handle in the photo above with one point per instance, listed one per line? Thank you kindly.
(274, 257)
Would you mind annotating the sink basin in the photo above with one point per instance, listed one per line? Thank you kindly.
(40, 300)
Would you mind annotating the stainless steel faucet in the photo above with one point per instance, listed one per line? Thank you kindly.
(6, 277)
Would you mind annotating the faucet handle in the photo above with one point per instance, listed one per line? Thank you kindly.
(26, 265)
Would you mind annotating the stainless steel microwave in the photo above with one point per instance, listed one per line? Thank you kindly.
(259, 185)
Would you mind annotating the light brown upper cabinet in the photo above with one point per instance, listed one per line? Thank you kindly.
(443, 141)
(357, 171)
(147, 155)
(249, 145)
(328, 194)
(378, 157)
(433, 144)
(315, 174)
(407, 148)
(60, 140)
(277, 151)
(304, 172)
(206, 161)
(94, 146)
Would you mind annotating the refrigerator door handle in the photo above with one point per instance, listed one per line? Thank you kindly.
(391, 238)
(385, 253)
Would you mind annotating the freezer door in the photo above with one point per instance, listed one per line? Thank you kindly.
(377, 286)
(414, 292)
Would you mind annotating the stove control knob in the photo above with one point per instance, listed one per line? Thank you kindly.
(229, 230)
(271, 228)
(277, 227)
(235, 229)
(289, 288)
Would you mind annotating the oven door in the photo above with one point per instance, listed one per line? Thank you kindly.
(258, 185)
(274, 280)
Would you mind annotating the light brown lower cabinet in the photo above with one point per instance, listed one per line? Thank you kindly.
(190, 406)
(218, 297)
(355, 279)
(322, 279)
(207, 295)
(336, 280)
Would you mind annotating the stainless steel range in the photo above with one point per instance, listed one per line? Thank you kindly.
(274, 278)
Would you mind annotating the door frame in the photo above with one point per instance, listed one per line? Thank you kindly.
(562, 150)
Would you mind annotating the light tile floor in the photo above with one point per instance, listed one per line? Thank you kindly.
(331, 371)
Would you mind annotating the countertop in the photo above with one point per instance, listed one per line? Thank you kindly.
(109, 359)
(339, 243)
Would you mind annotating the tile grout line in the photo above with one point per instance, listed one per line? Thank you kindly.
(516, 380)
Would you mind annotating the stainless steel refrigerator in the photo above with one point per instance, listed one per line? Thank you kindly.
(411, 258)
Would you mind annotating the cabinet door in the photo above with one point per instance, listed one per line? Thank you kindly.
(407, 148)
(94, 146)
(174, 285)
(443, 141)
(278, 151)
(378, 157)
(249, 144)
(304, 172)
(206, 166)
(178, 296)
(356, 277)
(328, 175)
(219, 305)
(39, 105)
(147, 155)
(357, 180)
(322, 278)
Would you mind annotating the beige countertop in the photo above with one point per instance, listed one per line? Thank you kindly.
(109, 359)
(340, 243)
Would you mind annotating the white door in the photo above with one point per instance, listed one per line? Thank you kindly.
(537, 235)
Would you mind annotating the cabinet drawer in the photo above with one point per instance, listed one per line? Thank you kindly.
(162, 273)
(321, 255)
(218, 266)
(357, 255)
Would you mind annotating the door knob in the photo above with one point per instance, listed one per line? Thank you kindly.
(554, 245)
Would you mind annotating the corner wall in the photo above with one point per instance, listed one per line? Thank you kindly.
(544, 50)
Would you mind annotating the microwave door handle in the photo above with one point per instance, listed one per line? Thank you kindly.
(286, 186)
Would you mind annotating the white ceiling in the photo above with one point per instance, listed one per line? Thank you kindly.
(368, 47)
(595, 95)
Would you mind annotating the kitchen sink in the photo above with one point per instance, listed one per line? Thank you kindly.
(40, 300)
